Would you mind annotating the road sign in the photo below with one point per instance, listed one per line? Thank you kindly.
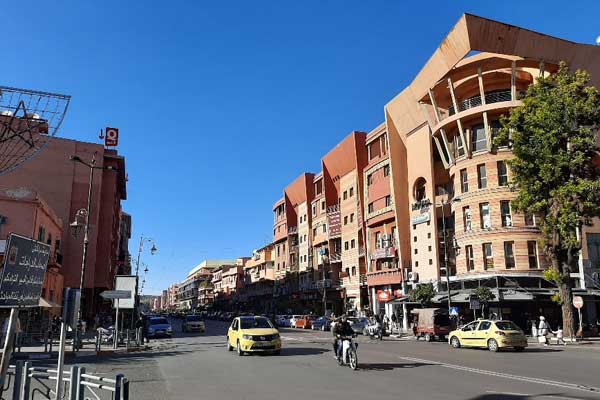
(116, 294)
(577, 302)
(126, 282)
(453, 311)
(112, 137)
(25, 264)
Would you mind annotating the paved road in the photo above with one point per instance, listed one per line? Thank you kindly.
(196, 366)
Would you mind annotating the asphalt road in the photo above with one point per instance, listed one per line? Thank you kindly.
(198, 366)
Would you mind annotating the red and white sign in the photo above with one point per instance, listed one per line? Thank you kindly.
(577, 302)
(112, 137)
(384, 295)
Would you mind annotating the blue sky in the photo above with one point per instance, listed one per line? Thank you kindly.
(221, 104)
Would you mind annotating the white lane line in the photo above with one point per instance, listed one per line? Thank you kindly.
(565, 385)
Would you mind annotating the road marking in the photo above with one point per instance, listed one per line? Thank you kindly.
(565, 385)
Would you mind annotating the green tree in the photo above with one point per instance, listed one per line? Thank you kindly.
(422, 294)
(485, 295)
(553, 139)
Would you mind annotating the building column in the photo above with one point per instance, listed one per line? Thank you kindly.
(375, 303)
(404, 317)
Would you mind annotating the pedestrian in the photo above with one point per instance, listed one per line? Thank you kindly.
(394, 323)
(543, 329)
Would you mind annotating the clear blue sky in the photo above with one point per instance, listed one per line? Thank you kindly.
(221, 104)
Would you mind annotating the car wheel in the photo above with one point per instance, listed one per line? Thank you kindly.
(428, 337)
(519, 348)
(454, 342)
(229, 347)
(492, 345)
(239, 349)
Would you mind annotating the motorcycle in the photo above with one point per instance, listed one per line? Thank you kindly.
(374, 332)
(349, 352)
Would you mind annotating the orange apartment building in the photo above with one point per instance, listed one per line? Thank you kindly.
(444, 164)
(259, 277)
(376, 213)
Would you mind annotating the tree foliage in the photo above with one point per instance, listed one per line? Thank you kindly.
(553, 139)
(422, 294)
(485, 295)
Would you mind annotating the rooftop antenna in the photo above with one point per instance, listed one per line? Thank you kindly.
(28, 120)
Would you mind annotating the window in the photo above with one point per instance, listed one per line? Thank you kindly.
(488, 256)
(484, 212)
(419, 189)
(314, 232)
(41, 234)
(505, 212)
(388, 200)
(478, 138)
(278, 251)
(415, 239)
(354, 271)
(429, 248)
(305, 237)
(378, 240)
(351, 192)
(532, 254)
(430, 261)
(502, 173)
(529, 220)
(484, 326)
(345, 245)
(324, 228)
(459, 146)
(467, 219)
(394, 235)
(314, 209)
(283, 247)
(509, 255)
(416, 251)
(416, 263)
(481, 176)
(470, 260)
(464, 181)
(345, 195)
(369, 179)
(428, 235)
(370, 208)
(386, 170)
(346, 220)
(352, 243)
(384, 141)
(352, 217)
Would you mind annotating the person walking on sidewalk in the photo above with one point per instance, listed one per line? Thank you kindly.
(543, 329)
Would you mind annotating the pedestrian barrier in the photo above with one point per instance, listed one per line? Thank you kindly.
(27, 382)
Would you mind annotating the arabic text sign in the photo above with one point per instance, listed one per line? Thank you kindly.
(25, 263)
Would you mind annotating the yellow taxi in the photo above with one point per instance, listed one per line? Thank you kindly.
(491, 334)
(253, 335)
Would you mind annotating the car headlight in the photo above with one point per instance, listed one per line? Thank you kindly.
(247, 337)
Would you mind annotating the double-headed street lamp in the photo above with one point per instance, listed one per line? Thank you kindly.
(84, 214)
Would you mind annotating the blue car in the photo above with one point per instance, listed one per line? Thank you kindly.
(321, 324)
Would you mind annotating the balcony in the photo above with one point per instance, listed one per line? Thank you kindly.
(492, 97)
(385, 252)
(292, 230)
(390, 276)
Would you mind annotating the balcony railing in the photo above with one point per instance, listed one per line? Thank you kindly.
(292, 230)
(493, 97)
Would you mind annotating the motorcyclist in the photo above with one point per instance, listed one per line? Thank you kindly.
(342, 330)
(374, 326)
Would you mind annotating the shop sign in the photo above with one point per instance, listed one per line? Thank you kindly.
(387, 252)
(384, 295)
(419, 219)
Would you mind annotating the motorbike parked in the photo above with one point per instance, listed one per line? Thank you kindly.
(349, 352)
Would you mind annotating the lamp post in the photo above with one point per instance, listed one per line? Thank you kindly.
(153, 251)
(76, 225)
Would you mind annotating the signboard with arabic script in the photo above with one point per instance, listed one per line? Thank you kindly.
(25, 263)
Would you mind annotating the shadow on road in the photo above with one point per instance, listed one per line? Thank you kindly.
(389, 366)
(301, 351)
(541, 350)
(516, 396)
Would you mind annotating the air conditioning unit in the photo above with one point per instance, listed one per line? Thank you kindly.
(413, 276)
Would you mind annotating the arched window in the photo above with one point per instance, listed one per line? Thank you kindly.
(419, 191)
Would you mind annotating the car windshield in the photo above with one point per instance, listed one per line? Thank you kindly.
(158, 321)
(507, 326)
(193, 318)
(251, 323)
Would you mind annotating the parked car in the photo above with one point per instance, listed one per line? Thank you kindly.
(321, 324)
(430, 323)
(304, 322)
(358, 324)
(494, 335)
(253, 334)
(159, 326)
(294, 319)
(193, 323)
(283, 321)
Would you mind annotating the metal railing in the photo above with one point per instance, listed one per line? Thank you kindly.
(493, 97)
(27, 382)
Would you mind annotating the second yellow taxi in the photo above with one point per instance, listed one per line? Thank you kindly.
(491, 334)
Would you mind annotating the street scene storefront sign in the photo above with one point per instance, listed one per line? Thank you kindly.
(421, 218)
(384, 295)
(25, 264)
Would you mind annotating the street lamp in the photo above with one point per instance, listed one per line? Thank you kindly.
(77, 225)
(153, 251)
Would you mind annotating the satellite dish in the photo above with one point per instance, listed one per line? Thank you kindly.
(28, 120)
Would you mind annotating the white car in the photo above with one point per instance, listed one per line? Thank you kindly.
(294, 319)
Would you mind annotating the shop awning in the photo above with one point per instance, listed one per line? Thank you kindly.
(48, 304)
